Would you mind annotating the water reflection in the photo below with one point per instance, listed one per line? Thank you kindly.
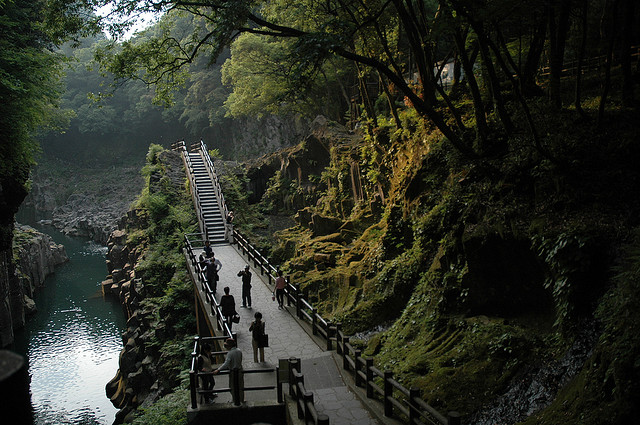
(74, 340)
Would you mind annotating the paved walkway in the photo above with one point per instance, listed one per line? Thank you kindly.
(286, 339)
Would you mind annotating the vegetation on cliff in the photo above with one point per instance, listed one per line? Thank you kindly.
(158, 298)
(464, 277)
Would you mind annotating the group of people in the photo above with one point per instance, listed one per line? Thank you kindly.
(233, 362)
(211, 266)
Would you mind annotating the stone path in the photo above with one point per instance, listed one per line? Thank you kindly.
(286, 339)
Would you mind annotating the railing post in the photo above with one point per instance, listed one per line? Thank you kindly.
(356, 369)
(294, 365)
(414, 413)
(339, 338)
(193, 380)
(330, 330)
(453, 418)
(388, 393)
(314, 321)
(323, 419)
(369, 373)
(307, 399)
(287, 279)
(298, 302)
(298, 383)
(345, 353)
(279, 386)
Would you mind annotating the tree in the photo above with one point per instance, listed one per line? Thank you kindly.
(29, 86)
(289, 43)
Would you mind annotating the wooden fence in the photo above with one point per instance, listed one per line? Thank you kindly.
(397, 400)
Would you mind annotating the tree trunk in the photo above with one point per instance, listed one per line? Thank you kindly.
(366, 100)
(557, 42)
(483, 43)
(392, 104)
(478, 105)
(613, 16)
(625, 52)
(532, 61)
(581, 50)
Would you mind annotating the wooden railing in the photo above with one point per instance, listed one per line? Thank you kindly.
(202, 279)
(194, 374)
(305, 404)
(304, 399)
(195, 195)
(259, 261)
(380, 385)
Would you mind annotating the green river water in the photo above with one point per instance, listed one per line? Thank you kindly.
(73, 342)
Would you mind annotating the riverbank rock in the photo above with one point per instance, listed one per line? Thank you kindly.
(36, 255)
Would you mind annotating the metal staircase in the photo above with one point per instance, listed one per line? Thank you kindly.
(206, 192)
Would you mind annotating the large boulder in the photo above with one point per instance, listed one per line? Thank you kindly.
(322, 225)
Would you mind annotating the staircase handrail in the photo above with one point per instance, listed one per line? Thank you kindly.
(211, 169)
(409, 404)
(195, 192)
(201, 277)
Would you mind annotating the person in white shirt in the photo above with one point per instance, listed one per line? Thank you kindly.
(233, 362)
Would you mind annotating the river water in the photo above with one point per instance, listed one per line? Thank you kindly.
(73, 342)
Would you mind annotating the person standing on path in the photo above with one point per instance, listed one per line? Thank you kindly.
(246, 286)
(228, 307)
(233, 363)
(213, 267)
(208, 251)
(257, 334)
(204, 366)
(281, 283)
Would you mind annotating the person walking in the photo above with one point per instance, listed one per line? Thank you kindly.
(246, 286)
(208, 250)
(281, 283)
(257, 337)
(233, 363)
(213, 267)
(228, 307)
(205, 367)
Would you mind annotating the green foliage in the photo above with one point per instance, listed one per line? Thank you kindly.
(565, 257)
(264, 81)
(169, 410)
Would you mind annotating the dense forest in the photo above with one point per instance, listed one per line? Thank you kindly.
(469, 210)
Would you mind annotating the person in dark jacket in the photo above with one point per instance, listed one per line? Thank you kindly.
(257, 334)
(246, 286)
(213, 267)
(228, 307)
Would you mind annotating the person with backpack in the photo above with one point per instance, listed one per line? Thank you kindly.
(257, 337)
(228, 307)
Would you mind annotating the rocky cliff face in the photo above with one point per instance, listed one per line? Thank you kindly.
(36, 255)
(139, 380)
(252, 137)
(91, 206)
(135, 378)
